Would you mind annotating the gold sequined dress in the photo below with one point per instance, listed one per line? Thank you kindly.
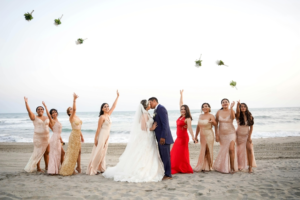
(74, 145)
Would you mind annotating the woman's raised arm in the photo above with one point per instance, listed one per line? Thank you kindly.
(114, 104)
(75, 96)
(232, 114)
(30, 113)
(181, 99)
(49, 116)
(237, 114)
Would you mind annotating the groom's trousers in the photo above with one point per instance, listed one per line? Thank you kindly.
(164, 151)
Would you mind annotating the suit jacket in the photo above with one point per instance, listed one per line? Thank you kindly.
(163, 129)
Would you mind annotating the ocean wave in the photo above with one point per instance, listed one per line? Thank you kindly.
(262, 117)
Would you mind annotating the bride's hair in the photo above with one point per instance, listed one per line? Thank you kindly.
(145, 103)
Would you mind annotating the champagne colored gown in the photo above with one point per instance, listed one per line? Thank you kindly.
(206, 138)
(98, 156)
(227, 134)
(242, 133)
(55, 149)
(180, 156)
(74, 146)
(40, 143)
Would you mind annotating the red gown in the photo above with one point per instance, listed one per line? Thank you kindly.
(180, 156)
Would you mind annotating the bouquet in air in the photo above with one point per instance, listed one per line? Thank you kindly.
(233, 84)
(80, 40)
(199, 62)
(28, 16)
(220, 62)
(57, 21)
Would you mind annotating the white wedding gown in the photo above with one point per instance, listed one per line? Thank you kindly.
(140, 161)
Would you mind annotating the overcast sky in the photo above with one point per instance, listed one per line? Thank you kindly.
(149, 48)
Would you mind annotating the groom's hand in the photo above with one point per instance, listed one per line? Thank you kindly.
(162, 141)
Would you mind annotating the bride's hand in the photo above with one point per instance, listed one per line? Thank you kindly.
(154, 126)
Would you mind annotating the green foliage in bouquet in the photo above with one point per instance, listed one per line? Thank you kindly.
(80, 40)
(220, 62)
(57, 21)
(199, 62)
(28, 16)
(233, 84)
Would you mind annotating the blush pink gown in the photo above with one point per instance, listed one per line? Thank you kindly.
(206, 138)
(55, 149)
(227, 134)
(98, 157)
(242, 136)
(40, 143)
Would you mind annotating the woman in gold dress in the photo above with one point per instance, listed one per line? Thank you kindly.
(73, 154)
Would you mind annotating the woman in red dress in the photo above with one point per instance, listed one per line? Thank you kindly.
(180, 156)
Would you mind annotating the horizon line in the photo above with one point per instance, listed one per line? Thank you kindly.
(151, 109)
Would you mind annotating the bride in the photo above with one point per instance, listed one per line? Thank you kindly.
(140, 161)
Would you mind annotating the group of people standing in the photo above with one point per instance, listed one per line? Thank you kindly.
(148, 156)
(236, 148)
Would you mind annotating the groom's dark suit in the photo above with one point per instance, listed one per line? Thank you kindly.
(163, 131)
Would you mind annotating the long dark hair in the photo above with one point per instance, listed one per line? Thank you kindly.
(101, 111)
(187, 112)
(207, 105)
(222, 101)
(250, 118)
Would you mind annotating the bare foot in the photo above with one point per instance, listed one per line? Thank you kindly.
(74, 173)
(250, 170)
(40, 170)
(231, 172)
(78, 170)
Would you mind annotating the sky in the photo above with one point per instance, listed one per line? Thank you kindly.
(148, 48)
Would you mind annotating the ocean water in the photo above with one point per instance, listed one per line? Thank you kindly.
(269, 122)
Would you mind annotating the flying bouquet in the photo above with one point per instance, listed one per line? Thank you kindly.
(199, 62)
(220, 62)
(233, 84)
(28, 16)
(57, 21)
(80, 40)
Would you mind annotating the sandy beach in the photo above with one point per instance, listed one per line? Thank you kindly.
(276, 177)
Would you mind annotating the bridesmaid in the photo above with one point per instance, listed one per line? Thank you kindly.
(245, 152)
(180, 157)
(226, 161)
(97, 163)
(40, 139)
(57, 152)
(73, 154)
(205, 123)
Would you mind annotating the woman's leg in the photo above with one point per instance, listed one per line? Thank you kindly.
(207, 155)
(78, 168)
(232, 155)
(38, 168)
(46, 157)
(62, 156)
(249, 155)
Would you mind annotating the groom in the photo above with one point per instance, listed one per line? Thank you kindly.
(163, 134)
